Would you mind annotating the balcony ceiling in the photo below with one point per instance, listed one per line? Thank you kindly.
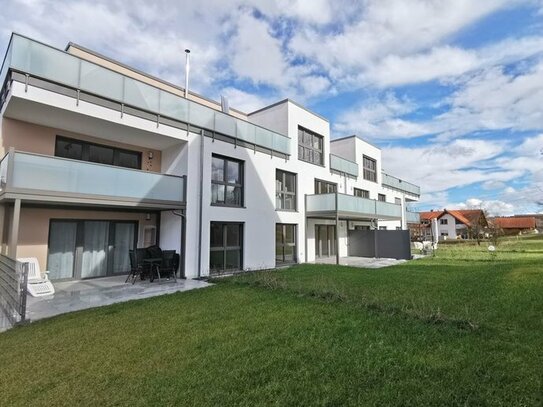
(23, 108)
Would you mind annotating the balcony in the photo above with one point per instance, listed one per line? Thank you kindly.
(350, 207)
(400, 185)
(343, 166)
(94, 83)
(42, 178)
(412, 217)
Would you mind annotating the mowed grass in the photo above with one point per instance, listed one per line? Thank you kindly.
(460, 328)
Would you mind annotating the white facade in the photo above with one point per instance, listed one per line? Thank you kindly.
(188, 152)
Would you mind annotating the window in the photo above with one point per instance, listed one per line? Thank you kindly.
(444, 234)
(398, 201)
(398, 228)
(370, 169)
(324, 187)
(96, 153)
(285, 190)
(285, 243)
(444, 221)
(310, 146)
(226, 181)
(226, 243)
(382, 197)
(362, 227)
(362, 193)
(382, 228)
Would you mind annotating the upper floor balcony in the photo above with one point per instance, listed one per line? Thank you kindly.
(400, 185)
(46, 179)
(35, 64)
(343, 166)
(412, 217)
(350, 207)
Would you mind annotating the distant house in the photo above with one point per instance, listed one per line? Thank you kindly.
(453, 224)
(515, 225)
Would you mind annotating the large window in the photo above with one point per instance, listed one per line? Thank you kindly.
(226, 243)
(382, 197)
(96, 153)
(370, 169)
(310, 146)
(285, 190)
(226, 181)
(285, 243)
(324, 187)
(362, 193)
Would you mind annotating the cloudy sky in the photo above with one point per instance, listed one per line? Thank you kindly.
(451, 90)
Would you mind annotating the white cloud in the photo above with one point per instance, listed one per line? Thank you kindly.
(244, 101)
(256, 54)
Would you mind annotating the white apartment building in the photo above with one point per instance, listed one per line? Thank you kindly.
(100, 158)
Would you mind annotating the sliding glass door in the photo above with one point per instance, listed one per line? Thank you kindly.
(81, 249)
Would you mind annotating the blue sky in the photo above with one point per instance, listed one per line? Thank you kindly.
(452, 91)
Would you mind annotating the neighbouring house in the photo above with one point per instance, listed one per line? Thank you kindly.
(453, 224)
(514, 225)
(100, 158)
(538, 219)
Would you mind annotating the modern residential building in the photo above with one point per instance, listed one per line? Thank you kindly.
(100, 158)
(452, 224)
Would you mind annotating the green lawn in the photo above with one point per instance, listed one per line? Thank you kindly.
(456, 329)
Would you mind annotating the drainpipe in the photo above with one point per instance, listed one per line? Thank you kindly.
(201, 204)
(337, 232)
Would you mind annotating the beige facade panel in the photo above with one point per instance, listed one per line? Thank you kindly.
(33, 138)
(34, 227)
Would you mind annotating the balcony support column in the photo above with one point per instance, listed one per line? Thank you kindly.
(337, 231)
(14, 232)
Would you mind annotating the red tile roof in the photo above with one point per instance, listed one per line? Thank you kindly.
(515, 223)
(466, 216)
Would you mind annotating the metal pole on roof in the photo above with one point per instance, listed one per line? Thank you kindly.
(187, 70)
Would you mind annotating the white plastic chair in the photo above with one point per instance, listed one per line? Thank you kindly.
(38, 283)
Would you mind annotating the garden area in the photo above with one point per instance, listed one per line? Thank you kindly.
(462, 327)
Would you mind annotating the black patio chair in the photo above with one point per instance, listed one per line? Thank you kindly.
(137, 266)
(170, 264)
(154, 261)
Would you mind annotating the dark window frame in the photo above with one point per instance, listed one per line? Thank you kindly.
(227, 184)
(225, 248)
(85, 152)
(284, 244)
(369, 173)
(325, 183)
(309, 147)
(381, 197)
(444, 221)
(284, 192)
(361, 193)
(398, 201)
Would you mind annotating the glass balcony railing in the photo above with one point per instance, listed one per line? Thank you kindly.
(396, 183)
(50, 176)
(352, 206)
(342, 165)
(412, 217)
(48, 63)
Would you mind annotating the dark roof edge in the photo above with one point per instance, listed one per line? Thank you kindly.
(294, 103)
(357, 136)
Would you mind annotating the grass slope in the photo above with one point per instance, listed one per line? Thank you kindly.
(455, 329)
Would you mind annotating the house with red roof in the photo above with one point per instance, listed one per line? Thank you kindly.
(515, 225)
(453, 223)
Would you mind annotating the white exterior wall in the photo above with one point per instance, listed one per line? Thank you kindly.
(449, 228)
(181, 156)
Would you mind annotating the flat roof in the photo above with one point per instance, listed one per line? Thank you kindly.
(135, 70)
(357, 136)
(294, 103)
